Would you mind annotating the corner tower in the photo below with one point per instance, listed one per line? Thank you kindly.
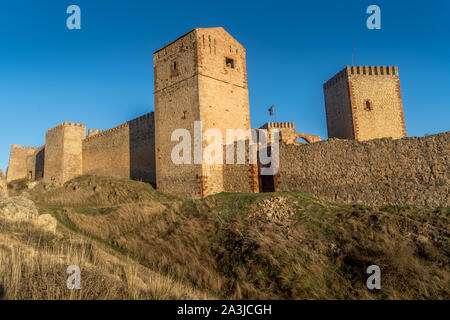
(364, 103)
(201, 76)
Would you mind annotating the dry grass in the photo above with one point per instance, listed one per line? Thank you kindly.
(34, 263)
(225, 245)
(94, 191)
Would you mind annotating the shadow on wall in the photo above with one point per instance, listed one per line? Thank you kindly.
(142, 150)
(39, 166)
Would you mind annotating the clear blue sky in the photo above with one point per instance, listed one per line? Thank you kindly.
(102, 75)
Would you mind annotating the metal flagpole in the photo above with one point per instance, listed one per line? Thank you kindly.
(353, 54)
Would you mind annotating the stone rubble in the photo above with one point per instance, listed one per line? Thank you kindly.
(275, 209)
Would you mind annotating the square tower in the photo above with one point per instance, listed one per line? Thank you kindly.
(63, 152)
(201, 76)
(364, 103)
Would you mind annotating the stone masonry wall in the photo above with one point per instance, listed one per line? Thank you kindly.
(108, 153)
(35, 164)
(364, 102)
(176, 107)
(338, 107)
(223, 92)
(380, 87)
(53, 165)
(63, 152)
(21, 162)
(376, 172)
(201, 76)
(240, 177)
(125, 151)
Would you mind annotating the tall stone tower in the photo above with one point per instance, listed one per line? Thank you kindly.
(201, 76)
(364, 103)
(63, 152)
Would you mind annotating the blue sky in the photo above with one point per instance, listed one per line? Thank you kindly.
(102, 75)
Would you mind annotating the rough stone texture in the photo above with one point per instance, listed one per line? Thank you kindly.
(275, 209)
(32, 184)
(25, 162)
(23, 209)
(364, 103)
(201, 76)
(47, 222)
(3, 185)
(63, 152)
(287, 132)
(126, 151)
(241, 176)
(18, 208)
(376, 172)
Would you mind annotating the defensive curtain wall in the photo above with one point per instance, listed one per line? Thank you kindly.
(125, 151)
(376, 172)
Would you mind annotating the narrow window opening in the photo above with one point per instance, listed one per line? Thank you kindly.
(174, 65)
(368, 106)
(229, 62)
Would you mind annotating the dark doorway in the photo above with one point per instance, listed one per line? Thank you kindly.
(267, 184)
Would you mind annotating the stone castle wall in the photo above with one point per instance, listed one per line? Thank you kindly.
(176, 106)
(376, 172)
(223, 93)
(338, 107)
(63, 152)
(125, 151)
(240, 177)
(35, 164)
(24, 162)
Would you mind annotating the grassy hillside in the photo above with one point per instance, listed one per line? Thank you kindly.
(240, 246)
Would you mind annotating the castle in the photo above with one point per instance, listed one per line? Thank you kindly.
(202, 76)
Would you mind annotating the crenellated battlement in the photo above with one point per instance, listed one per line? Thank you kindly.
(348, 71)
(373, 70)
(146, 117)
(280, 125)
(67, 124)
(340, 77)
(19, 147)
(101, 133)
(92, 134)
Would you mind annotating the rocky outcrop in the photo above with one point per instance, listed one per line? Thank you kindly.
(3, 185)
(23, 209)
(18, 208)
